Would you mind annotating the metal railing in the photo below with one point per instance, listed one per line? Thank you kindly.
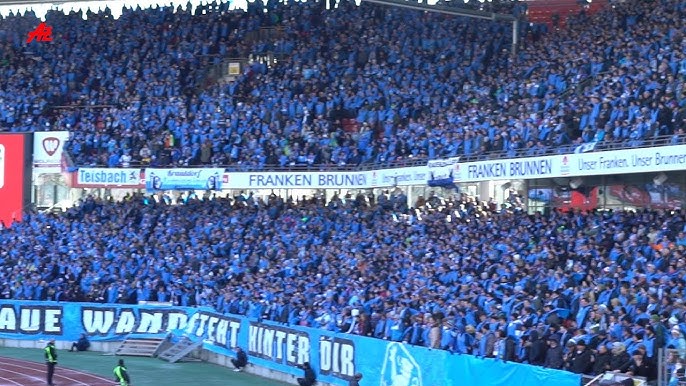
(71, 107)
(660, 141)
(614, 377)
(667, 361)
(277, 168)
(664, 140)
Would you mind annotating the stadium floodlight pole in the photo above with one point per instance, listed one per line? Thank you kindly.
(416, 5)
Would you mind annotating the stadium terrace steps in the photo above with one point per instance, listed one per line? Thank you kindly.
(542, 11)
(180, 350)
(142, 347)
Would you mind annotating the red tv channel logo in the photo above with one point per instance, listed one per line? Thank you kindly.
(42, 33)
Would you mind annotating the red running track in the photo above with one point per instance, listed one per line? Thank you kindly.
(25, 373)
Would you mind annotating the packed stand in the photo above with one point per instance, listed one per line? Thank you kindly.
(464, 276)
(420, 85)
(114, 82)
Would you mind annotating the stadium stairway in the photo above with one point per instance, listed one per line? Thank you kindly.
(142, 346)
(180, 350)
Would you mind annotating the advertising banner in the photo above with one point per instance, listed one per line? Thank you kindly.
(184, 178)
(653, 159)
(442, 169)
(586, 147)
(519, 168)
(105, 178)
(299, 180)
(645, 160)
(656, 159)
(48, 147)
(15, 176)
(398, 177)
(335, 357)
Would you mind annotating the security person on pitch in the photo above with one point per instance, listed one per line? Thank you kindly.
(121, 374)
(50, 359)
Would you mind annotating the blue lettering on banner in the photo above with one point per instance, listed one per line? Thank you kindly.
(613, 163)
(307, 180)
(286, 180)
(182, 179)
(402, 178)
(514, 169)
(674, 159)
(333, 180)
(99, 176)
(542, 167)
(335, 357)
(488, 170)
(638, 161)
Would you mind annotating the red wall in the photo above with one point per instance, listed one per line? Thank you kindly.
(15, 178)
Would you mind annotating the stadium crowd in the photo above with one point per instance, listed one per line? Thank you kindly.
(587, 292)
(421, 85)
(456, 274)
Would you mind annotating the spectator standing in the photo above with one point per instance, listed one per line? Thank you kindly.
(435, 333)
(678, 375)
(580, 360)
(641, 367)
(620, 360)
(553, 357)
(602, 360)
(678, 342)
(505, 347)
(50, 360)
(486, 341)
(537, 349)
(121, 374)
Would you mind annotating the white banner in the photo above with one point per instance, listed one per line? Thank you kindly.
(104, 177)
(442, 169)
(654, 159)
(521, 168)
(182, 179)
(47, 150)
(585, 148)
(298, 180)
(416, 175)
(646, 160)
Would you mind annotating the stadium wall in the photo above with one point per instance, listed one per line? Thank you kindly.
(274, 350)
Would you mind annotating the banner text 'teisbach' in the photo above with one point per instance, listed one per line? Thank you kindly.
(115, 176)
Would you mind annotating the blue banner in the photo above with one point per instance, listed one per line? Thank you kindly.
(182, 179)
(335, 357)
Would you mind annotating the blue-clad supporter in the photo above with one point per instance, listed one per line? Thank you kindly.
(379, 271)
(397, 75)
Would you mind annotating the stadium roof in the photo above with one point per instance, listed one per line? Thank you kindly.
(41, 7)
